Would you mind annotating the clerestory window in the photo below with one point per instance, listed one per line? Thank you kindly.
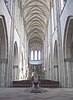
(63, 2)
(35, 55)
(32, 55)
(39, 55)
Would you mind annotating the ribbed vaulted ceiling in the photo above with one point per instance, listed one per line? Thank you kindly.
(36, 17)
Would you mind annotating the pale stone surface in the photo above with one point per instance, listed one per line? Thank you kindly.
(21, 22)
(52, 94)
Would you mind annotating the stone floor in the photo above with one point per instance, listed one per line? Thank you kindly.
(24, 94)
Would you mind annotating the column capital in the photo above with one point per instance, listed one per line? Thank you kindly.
(68, 59)
(3, 60)
(55, 66)
(15, 66)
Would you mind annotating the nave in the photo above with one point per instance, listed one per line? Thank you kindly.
(23, 94)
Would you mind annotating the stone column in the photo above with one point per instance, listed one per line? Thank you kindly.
(11, 49)
(3, 66)
(60, 51)
(71, 65)
(68, 72)
(15, 74)
(51, 52)
(56, 73)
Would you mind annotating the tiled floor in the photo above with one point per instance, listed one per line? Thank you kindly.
(24, 94)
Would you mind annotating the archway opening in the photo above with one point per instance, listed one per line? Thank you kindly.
(68, 52)
(3, 51)
(56, 73)
(15, 67)
(35, 53)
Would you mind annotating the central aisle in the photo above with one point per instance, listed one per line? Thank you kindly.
(52, 94)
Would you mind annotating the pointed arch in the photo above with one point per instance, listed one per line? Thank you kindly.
(3, 51)
(68, 51)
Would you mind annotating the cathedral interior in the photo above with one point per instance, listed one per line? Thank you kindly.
(36, 49)
(36, 37)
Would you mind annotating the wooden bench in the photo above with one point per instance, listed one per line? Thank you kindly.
(23, 83)
(42, 83)
(49, 84)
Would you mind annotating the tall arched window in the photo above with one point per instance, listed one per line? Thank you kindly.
(52, 16)
(62, 4)
(35, 55)
(32, 55)
(39, 55)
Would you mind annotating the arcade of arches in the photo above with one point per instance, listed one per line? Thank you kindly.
(36, 35)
